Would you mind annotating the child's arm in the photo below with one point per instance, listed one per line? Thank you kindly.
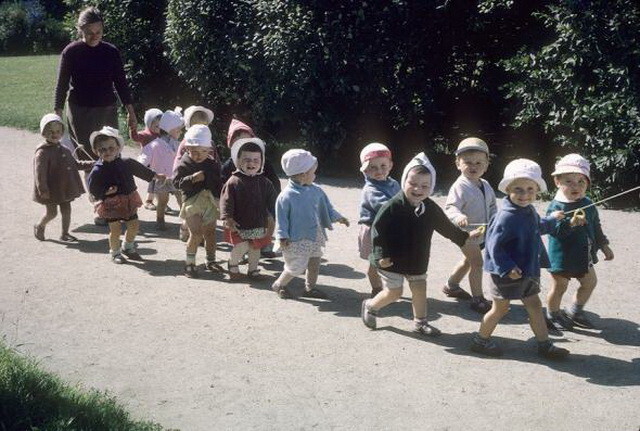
(497, 237)
(146, 155)
(96, 185)
(453, 207)
(40, 168)
(380, 229)
(227, 205)
(445, 227)
(549, 224)
(184, 181)
(283, 213)
(601, 239)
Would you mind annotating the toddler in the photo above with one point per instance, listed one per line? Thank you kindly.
(514, 254)
(246, 206)
(197, 176)
(303, 212)
(152, 131)
(401, 237)
(471, 202)
(159, 155)
(56, 178)
(376, 163)
(573, 246)
(113, 187)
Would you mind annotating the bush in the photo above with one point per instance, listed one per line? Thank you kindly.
(27, 28)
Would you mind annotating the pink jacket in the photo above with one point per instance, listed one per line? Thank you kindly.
(159, 155)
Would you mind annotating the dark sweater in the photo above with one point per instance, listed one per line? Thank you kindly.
(118, 173)
(229, 167)
(183, 177)
(91, 73)
(248, 200)
(397, 233)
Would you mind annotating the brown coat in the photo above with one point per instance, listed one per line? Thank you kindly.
(55, 173)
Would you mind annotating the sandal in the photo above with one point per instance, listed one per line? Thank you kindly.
(234, 272)
(68, 238)
(255, 274)
(314, 293)
(284, 293)
(213, 266)
(38, 232)
(148, 205)
(191, 271)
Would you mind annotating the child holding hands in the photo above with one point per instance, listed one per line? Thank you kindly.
(471, 202)
(197, 176)
(246, 206)
(303, 212)
(376, 164)
(401, 237)
(56, 178)
(112, 185)
(152, 131)
(573, 246)
(514, 254)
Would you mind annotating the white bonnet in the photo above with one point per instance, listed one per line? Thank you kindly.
(198, 135)
(48, 118)
(522, 168)
(297, 161)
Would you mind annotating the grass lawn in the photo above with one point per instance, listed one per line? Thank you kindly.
(31, 399)
(26, 89)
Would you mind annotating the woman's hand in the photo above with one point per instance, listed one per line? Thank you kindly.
(132, 121)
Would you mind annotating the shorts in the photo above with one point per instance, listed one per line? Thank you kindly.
(569, 275)
(119, 207)
(133, 217)
(203, 204)
(393, 280)
(364, 241)
(506, 288)
(297, 254)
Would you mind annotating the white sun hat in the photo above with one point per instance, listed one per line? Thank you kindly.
(170, 120)
(573, 164)
(198, 135)
(188, 113)
(522, 168)
(106, 131)
(297, 161)
(49, 118)
(150, 115)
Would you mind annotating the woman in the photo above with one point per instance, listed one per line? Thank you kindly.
(89, 71)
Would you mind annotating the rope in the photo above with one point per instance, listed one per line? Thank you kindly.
(578, 210)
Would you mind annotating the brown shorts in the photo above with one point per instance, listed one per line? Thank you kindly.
(506, 288)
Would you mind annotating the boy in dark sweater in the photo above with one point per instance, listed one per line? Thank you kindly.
(401, 236)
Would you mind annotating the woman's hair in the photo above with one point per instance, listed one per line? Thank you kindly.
(89, 15)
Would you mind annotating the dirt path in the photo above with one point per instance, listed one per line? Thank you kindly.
(209, 354)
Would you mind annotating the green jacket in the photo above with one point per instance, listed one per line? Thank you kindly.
(572, 248)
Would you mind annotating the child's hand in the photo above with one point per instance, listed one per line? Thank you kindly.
(463, 222)
(608, 253)
(558, 215)
(160, 178)
(477, 232)
(385, 262)
(284, 243)
(344, 221)
(515, 273)
(111, 190)
(578, 221)
(197, 177)
(231, 224)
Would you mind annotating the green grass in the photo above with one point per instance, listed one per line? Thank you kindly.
(32, 399)
(26, 89)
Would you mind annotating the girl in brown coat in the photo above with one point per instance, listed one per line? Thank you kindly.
(57, 181)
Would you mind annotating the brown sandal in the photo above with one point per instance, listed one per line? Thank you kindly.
(38, 232)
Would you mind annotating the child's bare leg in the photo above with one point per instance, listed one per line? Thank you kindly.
(150, 197)
(313, 269)
(237, 252)
(282, 280)
(536, 318)
(473, 256)
(419, 298)
(178, 199)
(499, 309)
(209, 232)
(587, 285)
(559, 286)
(133, 226)
(65, 212)
(194, 223)
(253, 256)
(114, 237)
(384, 298)
(374, 280)
(461, 269)
(163, 200)
(50, 214)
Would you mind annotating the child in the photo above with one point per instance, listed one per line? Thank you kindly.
(401, 237)
(376, 163)
(471, 202)
(246, 206)
(303, 212)
(159, 155)
(239, 130)
(57, 181)
(573, 248)
(112, 185)
(194, 115)
(198, 178)
(152, 131)
(513, 256)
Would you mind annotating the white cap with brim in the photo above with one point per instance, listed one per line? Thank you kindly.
(150, 115)
(522, 168)
(170, 120)
(49, 118)
(236, 148)
(297, 161)
(472, 144)
(188, 113)
(106, 131)
(573, 164)
(198, 135)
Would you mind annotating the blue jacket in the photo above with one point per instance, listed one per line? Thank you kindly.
(299, 209)
(514, 239)
(374, 194)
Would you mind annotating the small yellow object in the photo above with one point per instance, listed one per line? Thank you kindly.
(578, 216)
(482, 229)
